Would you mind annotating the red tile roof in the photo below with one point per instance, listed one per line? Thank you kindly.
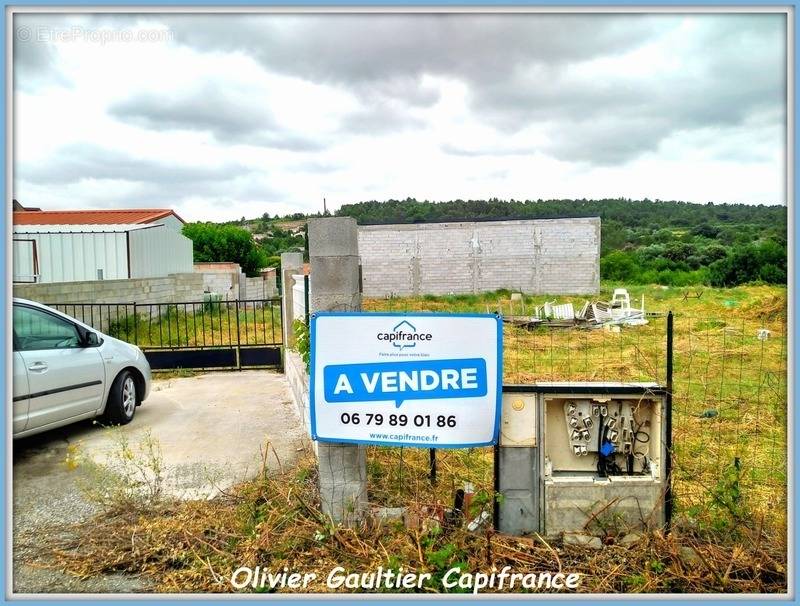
(92, 217)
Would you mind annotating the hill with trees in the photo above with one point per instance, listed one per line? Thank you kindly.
(642, 241)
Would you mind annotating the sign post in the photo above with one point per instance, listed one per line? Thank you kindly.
(423, 380)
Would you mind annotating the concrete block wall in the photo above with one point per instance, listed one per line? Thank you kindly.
(543, 256)
(221, 283)
(260, 287)
(174, 288)
(169, 289)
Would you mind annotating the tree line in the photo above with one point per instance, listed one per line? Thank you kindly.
(234, 241)
(642, 241)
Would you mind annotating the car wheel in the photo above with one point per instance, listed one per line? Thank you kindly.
(121, 404)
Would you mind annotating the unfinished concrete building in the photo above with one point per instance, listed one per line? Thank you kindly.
(540, 256)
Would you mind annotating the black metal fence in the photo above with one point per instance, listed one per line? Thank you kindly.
(207, 334)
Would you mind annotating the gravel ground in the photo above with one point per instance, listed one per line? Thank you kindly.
(217, 421)
(47, 500)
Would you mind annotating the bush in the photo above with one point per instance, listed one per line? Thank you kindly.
(772, 274)
(225, 243)
(753, 262)
(713, 252)
(619, 266)
(705, 230)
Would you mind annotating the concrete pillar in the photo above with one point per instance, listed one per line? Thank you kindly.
(333, 253)
(291, 263)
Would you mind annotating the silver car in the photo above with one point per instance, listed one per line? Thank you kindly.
(66, 371)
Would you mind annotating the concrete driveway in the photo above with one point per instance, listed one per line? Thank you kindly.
(211, 430)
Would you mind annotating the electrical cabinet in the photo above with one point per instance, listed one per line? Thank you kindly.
(587, 455)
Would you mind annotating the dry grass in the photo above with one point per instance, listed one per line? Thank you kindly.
(276, 523)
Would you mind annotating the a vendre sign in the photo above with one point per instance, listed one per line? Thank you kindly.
(406, 379)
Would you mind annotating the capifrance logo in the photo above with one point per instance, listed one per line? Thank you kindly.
(404, 335)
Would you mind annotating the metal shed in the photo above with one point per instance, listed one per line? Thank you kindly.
(68, 253)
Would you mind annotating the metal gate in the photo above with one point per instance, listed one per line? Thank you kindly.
(211, 334)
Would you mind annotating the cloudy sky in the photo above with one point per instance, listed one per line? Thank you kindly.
(223, 116)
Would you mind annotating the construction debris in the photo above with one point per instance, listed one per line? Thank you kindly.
(559, 312)
(597, 312)
(594, 314)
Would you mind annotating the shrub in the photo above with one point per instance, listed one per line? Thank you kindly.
(215, 243)
(302, 342)
(620, 266)
(765, 261)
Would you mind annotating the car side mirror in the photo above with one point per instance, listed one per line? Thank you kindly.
(87, 337)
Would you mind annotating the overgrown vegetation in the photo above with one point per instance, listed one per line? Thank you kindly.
(214, 322)
(686, 261)
(131, 478)
(302, 342)
(275, 522)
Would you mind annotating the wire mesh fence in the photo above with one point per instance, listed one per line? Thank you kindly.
(729, 401)
(729, 410)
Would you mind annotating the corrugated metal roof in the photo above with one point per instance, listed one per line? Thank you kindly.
(92, 217)
(70, 229)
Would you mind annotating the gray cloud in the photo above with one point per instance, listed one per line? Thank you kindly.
(613, 121)
(516, 68)
(149, 182)
(373, 48)
(231, 118)
(607, 142)
(723, 89)
(35, 60)
(379, 120)
(383, 59)
(474, 152)
(74, 163)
